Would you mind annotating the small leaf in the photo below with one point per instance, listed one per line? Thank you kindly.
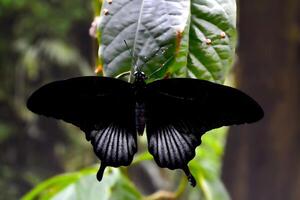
(113, 186)
(83, 185)
(208, 42)
(52, 186)
(206, 166)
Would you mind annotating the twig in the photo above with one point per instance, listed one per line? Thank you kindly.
(161, 195)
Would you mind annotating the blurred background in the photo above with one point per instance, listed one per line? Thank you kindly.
(40, 41)
(261, 161)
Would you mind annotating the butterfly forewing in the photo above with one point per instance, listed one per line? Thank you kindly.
(102, 107)
(214, 104)
(80, 99)
(180, 111)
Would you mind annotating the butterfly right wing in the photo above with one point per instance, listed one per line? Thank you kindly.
(180, 111)
(102, 107)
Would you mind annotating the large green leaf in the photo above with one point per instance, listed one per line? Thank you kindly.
(199, 34)
(146, 25)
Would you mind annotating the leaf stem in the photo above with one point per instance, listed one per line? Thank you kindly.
(181, 188)
(205, 189)
(161, 195)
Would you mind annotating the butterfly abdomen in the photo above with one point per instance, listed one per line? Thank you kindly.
(140, 117)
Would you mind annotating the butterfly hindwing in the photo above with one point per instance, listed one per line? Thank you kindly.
(172, 142)
(180, 111)
(101, 107)
(114, 142)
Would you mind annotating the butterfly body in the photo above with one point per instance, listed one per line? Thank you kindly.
(140, 119)
(174, 113)
(139, 87)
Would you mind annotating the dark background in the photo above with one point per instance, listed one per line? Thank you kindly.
(40, 41)
(262, 162)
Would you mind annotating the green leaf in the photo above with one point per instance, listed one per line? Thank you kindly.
(145, 25)
(83, 185)
(197, 36)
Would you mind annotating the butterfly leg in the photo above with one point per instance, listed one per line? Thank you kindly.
(101, 171)
(189, 176)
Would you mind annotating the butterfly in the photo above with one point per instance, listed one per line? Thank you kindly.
(174, 113)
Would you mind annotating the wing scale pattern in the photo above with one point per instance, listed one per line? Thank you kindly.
(114, 144)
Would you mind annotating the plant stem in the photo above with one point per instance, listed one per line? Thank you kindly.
(181, 188)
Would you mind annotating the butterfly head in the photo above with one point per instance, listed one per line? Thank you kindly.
(139, 76)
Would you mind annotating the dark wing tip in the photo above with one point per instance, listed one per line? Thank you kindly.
(30, 104)
(245, 109)
(192, 181)
(260, 113)
(101, 172)
(256, 112)
(37, 102)
(190, 177)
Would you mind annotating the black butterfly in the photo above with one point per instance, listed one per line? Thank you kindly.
(175, 112)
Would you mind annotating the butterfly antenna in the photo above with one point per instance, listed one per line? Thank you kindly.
(123, 74)
(148, 59)
(129, 49)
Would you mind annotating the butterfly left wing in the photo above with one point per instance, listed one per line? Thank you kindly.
(114, 142)
(180, 111)
(100, 106)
